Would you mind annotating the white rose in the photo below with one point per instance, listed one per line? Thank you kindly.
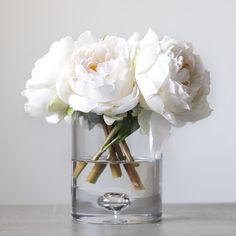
(41, 88)
(172, 79)
(101, 77)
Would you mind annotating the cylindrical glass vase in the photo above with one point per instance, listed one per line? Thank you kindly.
(114, 190)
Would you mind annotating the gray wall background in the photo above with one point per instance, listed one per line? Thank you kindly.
(200, 160)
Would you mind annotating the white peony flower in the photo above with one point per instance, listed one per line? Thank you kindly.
(100, 78)
(172, 79)
(41, 88)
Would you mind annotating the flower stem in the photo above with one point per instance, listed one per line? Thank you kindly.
(81, 165)
(130, 169)
(98, 168)
(126, 151)
(116, 152)
(96, 171)
(78, 169)
(115, 168)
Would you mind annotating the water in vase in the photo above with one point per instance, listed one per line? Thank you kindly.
(117, 200)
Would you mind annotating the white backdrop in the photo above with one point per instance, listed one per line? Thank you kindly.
(200, 160)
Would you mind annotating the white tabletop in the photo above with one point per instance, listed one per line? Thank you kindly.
(178, 220)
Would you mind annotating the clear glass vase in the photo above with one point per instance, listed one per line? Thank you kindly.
(114, 191)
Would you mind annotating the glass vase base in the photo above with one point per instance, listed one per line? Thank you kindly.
(120, 220)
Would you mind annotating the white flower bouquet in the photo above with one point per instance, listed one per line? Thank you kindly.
(148, 84)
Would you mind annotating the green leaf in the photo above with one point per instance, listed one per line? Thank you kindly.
(92, 118)
(70, 111)
(126, 127)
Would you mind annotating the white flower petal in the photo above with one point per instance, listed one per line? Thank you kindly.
(126, 103)
(86, 39)
(79, 103)
(146, 58)
(102, 108)
(63, 89)
(109, 120)
(150, 38)
(160, 71)
(144, 121)
(118, 46)
(56, 105)
(133, 38)
(38, 101)
(158, 129)
(54, 119)
(150, 93)
(159, 133)
(48, 68)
